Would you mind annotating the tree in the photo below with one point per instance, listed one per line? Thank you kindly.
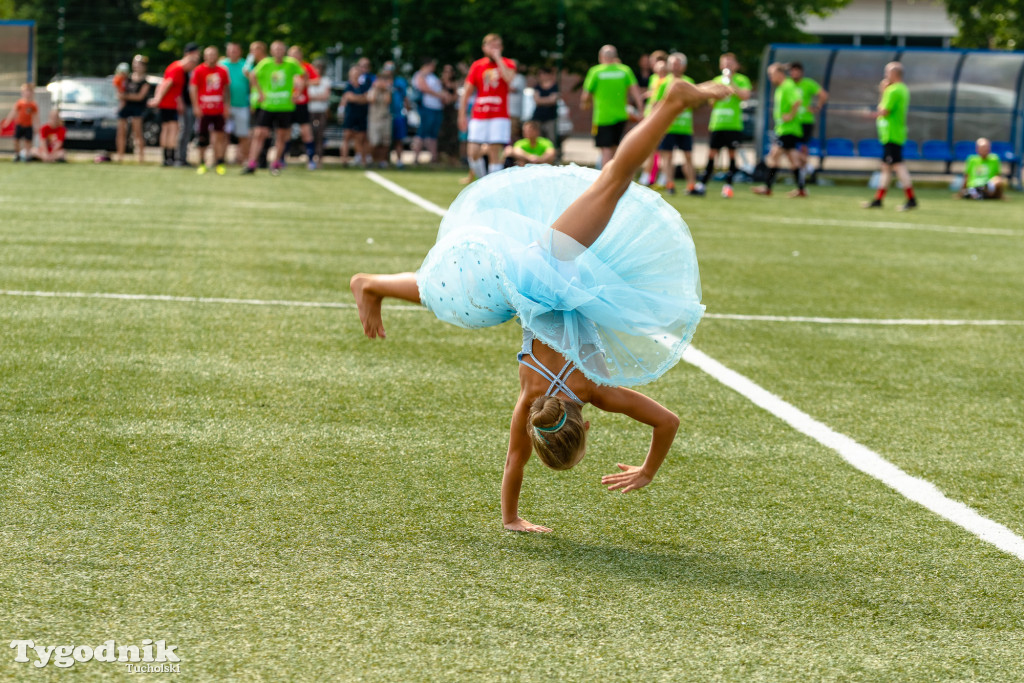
(97, 35)
(993, 24)
(451, 31)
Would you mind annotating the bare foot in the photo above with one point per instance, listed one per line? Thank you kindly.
(369, 306)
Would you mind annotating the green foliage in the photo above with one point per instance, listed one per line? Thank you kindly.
(97, 35)
(993, 24)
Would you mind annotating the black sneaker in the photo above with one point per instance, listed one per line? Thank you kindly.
(873, 204)
(911, 204)
(696, 192)
(249, 170)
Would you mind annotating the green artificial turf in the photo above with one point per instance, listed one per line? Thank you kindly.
(283, 499)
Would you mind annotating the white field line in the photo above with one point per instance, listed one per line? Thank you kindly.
(408, 307)
(405, 194)
(886, 225)
(860, 457)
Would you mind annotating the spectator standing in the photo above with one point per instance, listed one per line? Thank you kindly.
(209, 88)
(891, 122)
(981, 174)
(257, 53)
(431, 109)
(532, 149)
(274, 79)
(399, 103)
(238, 105)
(25, 114)
(659, 64)
(319, 102)
(356, 107)
(516, 102)
(545, 111)
(489, 79)
(51, 138)
(726, 123)
(607, 89)
(680, 133)
(133, 96)
(814, 98)
(301, 115)
(378, 127)
(187, 110)
(788, 101)
(448, 136)
(167, 99)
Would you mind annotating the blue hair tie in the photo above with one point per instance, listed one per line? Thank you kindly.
(561, 423)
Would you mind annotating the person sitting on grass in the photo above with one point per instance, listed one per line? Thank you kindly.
(602, 275)
(532, 149)
(51, 138)
(981, 174)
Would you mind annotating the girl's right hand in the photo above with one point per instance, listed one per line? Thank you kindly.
(523, 525)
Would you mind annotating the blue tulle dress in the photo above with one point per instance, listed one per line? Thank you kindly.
(634, 294)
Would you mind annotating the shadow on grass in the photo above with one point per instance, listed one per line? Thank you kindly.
(669, 564)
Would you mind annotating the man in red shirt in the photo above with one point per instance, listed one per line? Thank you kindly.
(51, 138)
(489, 78)
(208, 88)
(301, 99)
(168, 99)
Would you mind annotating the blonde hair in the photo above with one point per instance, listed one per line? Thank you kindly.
(558, 432)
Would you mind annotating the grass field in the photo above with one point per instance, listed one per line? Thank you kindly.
(282, 499)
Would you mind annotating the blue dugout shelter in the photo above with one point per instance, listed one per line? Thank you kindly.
(956, 96)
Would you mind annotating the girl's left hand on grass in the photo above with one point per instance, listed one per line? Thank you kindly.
(630, 479)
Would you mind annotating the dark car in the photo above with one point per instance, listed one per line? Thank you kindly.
(89, 106)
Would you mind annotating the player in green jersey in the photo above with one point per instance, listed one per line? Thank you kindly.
(814, 98)
(726, 125)
(788, 130)
(982, 179)
(607, 89)
(891, 121)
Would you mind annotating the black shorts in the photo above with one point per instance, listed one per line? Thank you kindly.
(301, 114)
(610, 135)
(671, 141)
(892, 153)
(24, 133)
(788, 141)
(168, 115)
(808, 133)
(355, 121)
(273, 119)
(209, 123)
(729, 139)
(132, 110)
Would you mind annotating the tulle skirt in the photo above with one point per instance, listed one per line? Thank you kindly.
(636, 290)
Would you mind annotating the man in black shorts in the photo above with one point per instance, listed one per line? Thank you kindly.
(788, 130)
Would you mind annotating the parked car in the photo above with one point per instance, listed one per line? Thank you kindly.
(89, 106)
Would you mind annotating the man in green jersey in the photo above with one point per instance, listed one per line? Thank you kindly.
(814, 98)
(726, 123)
(274, 81)
(981, 174)
(788, 130)
(607, 88)
(532, 149)
(680, 133)
(891, 121)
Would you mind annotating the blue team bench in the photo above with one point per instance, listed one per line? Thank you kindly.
(929, 150)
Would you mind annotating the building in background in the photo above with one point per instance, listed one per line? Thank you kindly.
(902, 23)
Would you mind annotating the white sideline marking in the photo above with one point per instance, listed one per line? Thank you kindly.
(406, 194)
(862, 458)
(409, 307)
(859, 321)
(885, 225)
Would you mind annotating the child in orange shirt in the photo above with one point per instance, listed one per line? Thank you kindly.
(25, 115)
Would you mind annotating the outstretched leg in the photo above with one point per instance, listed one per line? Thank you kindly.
(587, 217)
(370, 290)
